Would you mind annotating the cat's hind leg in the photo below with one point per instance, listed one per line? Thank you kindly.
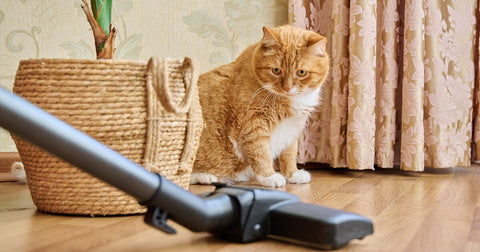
(203, 178)
(213, 163)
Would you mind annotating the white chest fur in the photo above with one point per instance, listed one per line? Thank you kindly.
(290, 129)
(306, 101)
(284, 134)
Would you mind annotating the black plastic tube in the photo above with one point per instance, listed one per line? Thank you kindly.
(57, 137)
(62, 140)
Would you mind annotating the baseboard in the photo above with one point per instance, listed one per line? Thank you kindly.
(6, 161)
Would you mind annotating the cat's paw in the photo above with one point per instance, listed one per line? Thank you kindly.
(203, 178)
(299, 177)
(275, 180)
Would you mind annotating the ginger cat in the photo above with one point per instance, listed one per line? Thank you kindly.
(255, 108)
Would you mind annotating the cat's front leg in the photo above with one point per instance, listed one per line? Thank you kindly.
(288, 166)
(274, 180)
(265, 174)
(257, 154)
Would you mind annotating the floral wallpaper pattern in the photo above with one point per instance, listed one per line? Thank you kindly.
(228, 33)
(213, 32)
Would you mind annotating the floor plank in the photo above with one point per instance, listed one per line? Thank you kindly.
(431, 211)
(475, 227)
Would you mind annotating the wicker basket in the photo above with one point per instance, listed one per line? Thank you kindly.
(149, 113)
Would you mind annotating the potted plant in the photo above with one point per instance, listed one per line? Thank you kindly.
(148, 112)
(99, 16)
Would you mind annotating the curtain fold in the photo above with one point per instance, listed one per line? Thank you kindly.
(402, 85)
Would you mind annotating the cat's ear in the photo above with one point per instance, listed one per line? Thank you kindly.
(269, 39)
(317, 45)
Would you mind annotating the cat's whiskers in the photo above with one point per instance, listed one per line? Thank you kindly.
(275, 98)
(266, 99)
(271, 96)
(258, 91)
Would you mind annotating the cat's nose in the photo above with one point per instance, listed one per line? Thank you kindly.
(287, 84)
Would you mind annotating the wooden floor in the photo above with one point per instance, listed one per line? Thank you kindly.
(432, 211)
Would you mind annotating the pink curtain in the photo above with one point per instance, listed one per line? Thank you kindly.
(402, 87)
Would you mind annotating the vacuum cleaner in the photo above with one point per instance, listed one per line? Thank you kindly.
(236, 213)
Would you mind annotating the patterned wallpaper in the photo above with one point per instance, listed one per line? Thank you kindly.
(213, 32)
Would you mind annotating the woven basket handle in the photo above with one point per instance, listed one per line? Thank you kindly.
(158, 68)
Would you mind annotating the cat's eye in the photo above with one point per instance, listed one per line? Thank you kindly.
(301, 73)
(276, 70)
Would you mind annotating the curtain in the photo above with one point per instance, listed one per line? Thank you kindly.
(403, 83)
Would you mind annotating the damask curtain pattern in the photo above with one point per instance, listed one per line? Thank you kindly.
(402, 83)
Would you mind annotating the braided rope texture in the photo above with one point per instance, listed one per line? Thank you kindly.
(115, 102)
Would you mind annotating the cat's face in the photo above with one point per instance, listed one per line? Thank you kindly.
(291, 61)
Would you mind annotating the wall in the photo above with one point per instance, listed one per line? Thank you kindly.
(213, 32)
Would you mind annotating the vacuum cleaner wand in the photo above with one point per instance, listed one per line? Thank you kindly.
(242, 214)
